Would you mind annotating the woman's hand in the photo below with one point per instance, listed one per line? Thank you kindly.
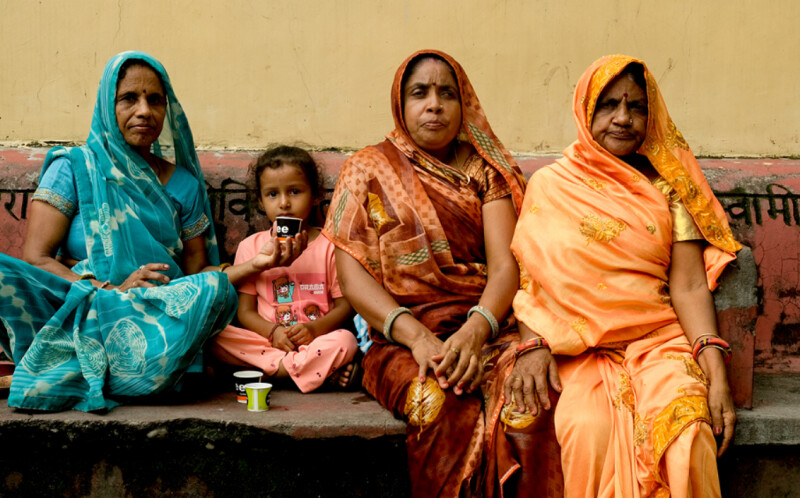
(289, 249)
(144, 276)
(723, 415)
(720, 401)
(269, 254)
(460, 359)
(424, 350)
(281, 340)
(300, 334)
(528, 381)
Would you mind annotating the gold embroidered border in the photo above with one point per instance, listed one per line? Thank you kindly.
(640, 431)
(672, 420)
(673, 171)
(624, 398)
(693, 369)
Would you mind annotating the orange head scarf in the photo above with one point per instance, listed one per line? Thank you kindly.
(594, 237)
(664, 146)
(474, 128)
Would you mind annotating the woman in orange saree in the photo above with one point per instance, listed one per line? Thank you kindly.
(620, 288)
(419, 260)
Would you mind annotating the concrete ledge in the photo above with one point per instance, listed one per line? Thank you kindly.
(775, 417)
(319, 444)
(299, 416)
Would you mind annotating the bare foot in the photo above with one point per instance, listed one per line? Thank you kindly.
(341, 377)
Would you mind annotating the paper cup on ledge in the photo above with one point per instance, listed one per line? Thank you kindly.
(258, 396)
(287, 227)
(243, 377)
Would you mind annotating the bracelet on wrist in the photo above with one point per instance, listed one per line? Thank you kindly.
(712, 342)
(87, 276)
(532, 345)
(700, 337)
(489, 316)
(223, 266)
(389, 321)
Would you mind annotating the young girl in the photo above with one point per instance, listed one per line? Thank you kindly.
(292, 307)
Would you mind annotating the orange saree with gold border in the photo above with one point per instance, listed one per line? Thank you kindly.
(594, 243)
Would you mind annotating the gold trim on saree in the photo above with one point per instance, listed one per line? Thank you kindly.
(671, 422)
(624, 397)
(693, 369)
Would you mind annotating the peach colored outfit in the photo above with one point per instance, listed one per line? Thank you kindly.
(594, 243)
(299, 293)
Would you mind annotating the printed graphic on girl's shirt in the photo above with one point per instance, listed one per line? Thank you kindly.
(284, 315)
(312, 311)
(283, 289)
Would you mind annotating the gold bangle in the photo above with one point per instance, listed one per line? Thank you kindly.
(87, 276)
(222, 266)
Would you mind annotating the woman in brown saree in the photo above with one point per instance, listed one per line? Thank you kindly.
(422, 223)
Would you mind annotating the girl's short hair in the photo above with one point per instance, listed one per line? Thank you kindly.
(286, 155)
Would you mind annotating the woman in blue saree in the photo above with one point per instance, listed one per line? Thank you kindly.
(115, 299)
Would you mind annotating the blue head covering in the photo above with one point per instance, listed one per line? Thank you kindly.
(120, 197)
(77, 346)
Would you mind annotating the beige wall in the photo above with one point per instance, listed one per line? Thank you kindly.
(253, 73)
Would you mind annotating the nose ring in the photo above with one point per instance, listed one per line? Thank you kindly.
(631, 121)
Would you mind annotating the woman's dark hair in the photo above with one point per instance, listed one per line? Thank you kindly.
(636, 71)
(123, 70)
(285, 155)
(412, 66)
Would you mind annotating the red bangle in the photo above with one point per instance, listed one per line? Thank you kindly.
(527, 346)
(716, 343)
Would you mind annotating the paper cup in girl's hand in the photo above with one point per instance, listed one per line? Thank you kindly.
(258, 396)
(243, 377)
(287, 227)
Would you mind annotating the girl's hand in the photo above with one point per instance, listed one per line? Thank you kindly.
(300, 334)
(281, 341)
(723, 415)
(142, 277)
(424, 350)
(460, 359)
(528, 381)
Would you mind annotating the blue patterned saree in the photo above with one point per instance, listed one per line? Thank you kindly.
(85, 348)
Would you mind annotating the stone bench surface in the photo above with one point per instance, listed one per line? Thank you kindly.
(774, 419)
(300, 416)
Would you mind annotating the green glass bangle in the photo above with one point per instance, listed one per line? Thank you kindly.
(484, 312)
(390, 318)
